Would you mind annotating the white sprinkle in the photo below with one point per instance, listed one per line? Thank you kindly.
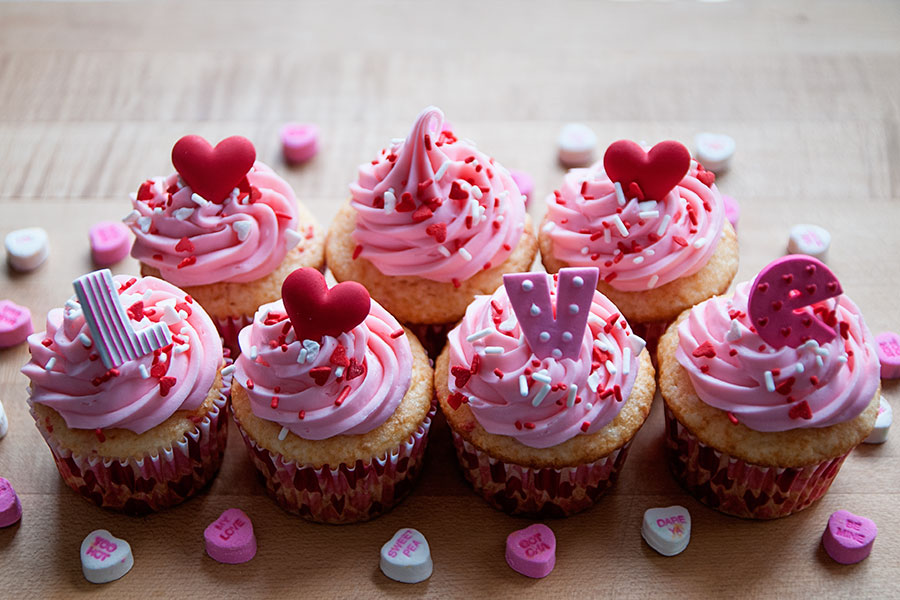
(652, 283)
(570, 399)
(638, 260)
(543, 376)
(770, 381)
(593, 381)
(338, 372)
(663, 225)
(523, 386)
(181, 348)
(535, 311)
(734, 334)
(588, 406)
(199, 200)
(647, 205)
(301, 356)
(649, 252)
(601, 345)
(144, 223)
(145, 374)
(585, 250)
(607, 236)
(228, 370)
(476, 192)
(465, 254)
(85, 340)
(254, 352)
(842, 358)
(479, 334)
(542, 393)
(648, 214)
(292, 237)
(182, 214)
(50, 363)
(637, 344)
(444, 251)
(592, 318)
(700, 242)
(131, 217)
(611, 367)
(821, 351)
(617, 221)
(283, 433)
(158, 210)
(493, 349)
(163, 357)
(390, 201)
(312, 349)
(508, 324)
(577, 281)
(527, 285)
(548, 226)
(567, 336)
(626, 361)
(442, 170)
(799, 367)
(170, 315)
(620, 196)
(242, 228)
(819, 361)
(544, 336)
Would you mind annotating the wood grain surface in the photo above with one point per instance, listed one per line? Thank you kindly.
(93, 95)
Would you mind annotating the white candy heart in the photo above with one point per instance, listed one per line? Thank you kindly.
(4, 423)
(27, 248)
(714, 150)
(667, 530)
(575, 145)
(882, 423)
(811, 240)
(242, 228)
(406, 557)
(104, 557)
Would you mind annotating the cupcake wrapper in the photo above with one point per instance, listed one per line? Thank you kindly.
(521, 490)
(735, 487)
(229, 328)
(348, 493)
(156, 480)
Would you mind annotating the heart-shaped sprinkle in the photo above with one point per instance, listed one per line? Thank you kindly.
(882, 423)
(230, 538)
(461, 375)
(714, 150)
(656, 172)
(532, 551)
(811, 240)
(667, 530)
(213, 172)
(104, 557)
(316, 311)
(15, 324)
(27, 249)
(242, 229)
(848, 538)
(110, 242)
(10, 507)
(406, 557)
(887, 345)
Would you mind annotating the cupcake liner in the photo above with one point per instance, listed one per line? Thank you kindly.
(433, 337)
(229, 328)
(158, 479)
(736, 487)
(547, 492)
(348, 493)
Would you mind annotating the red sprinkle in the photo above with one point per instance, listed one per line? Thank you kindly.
(732, 418)
(679, 240)
(423, 213)
(438, 231)
(302, 414)
(165, 384)
(274, 402)
(456, 399)
(46, 342)
(498, 373)
(342, 396)
(705, 349)
(249, 384)
(339, 357)
(184, 245)
(357, 251)
(186, 262)
(396, 333)
(585, 426)
(800, 411)
(99, 433)
(455, 281)
(529, 425)
(320, 374)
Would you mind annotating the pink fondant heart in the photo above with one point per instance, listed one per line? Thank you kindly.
(213, 172)
(230, 538)
(315, 310)
(532, 551)
(655, 172)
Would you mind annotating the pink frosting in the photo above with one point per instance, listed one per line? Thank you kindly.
(280, 374)
(637, 245)
(600, 379)
(196, 243)
(68, 376)
(734, 370)
(435, 207)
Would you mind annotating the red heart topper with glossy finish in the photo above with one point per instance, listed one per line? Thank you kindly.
(315, 310)
(213, 172)
(656, 172)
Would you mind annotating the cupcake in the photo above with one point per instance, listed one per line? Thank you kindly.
(128, 388)
(652, 222)
(542, 410)
(333, 399)
(431, 222)
(767, 391)
(225, 228)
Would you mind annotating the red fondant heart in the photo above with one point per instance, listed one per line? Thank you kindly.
(315, 310)
(213, 172)
(655, 172)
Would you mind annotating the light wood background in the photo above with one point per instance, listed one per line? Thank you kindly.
(93, 95)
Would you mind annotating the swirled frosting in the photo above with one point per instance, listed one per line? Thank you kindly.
(68, 376)
(770, 389)
(435, 207)
(637, 244)
(318, 389)
(195, 242)
(492, 365)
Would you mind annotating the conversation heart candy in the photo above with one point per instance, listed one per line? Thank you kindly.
(10, 507)
(575, 145)
(732, 210)
(882, 423)
(667, 530)
(27, 248)
(299, 142)
(4, 422)
(811, 240)
(110, 242)
(887, 345)
(15, 324)
(406, 557)
(848, 538)
(532, 551)
(230, 538)
(104, 557)
(524, 182)
(714, 150)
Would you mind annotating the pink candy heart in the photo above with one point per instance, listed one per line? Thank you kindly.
(532, 551)
(230, 538)
(110, 242)
(10, 507)
(15, 324)
(848, 538)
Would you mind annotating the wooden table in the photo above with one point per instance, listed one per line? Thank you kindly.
(92, 97)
